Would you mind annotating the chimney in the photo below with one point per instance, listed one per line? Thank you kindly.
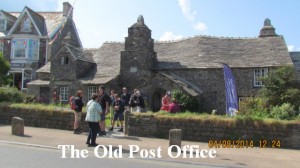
(268, 30)
(67, 10)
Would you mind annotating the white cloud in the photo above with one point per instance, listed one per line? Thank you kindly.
(185, 6)
(200, 26)
(168, 35)
(291, 47)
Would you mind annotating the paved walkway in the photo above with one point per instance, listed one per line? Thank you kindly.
(251, 157)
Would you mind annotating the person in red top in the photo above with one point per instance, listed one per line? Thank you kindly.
(166, 100)
(174, 107)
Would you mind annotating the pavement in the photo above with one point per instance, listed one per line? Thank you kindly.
(225, 157)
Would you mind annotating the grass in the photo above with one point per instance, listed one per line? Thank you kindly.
(218, 118)
(160, 115)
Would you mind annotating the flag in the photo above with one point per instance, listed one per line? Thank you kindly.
(231, 92)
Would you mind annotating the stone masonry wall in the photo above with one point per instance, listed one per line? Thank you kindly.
(42, 118)
(205, 130)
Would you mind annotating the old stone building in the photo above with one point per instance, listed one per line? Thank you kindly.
(192, 64)
(28, 39)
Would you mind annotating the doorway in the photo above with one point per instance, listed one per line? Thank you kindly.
(18, 80)
(157, 96)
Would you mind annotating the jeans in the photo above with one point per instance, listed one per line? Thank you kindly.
(94, 129)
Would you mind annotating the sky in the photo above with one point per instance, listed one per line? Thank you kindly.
(98, 21)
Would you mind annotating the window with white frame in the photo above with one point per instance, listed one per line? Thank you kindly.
(64, 60)
(64, 93)
(2, 25)
(25, 48)
(1, 46)
(91, 91)
(258, 74)
(26, 25)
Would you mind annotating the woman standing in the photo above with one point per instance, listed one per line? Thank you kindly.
(166, 101)
(93, 113)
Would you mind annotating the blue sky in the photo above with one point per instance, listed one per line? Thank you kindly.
(107, 20)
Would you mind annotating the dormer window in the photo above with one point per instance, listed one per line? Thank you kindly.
(2, 25)
(64, 60)
(27, 25)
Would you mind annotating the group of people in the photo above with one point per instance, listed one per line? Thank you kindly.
(169, 104)
(99, 106)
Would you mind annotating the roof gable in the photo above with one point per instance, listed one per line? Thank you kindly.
(37, 21)
(8, 16)
(76, 53)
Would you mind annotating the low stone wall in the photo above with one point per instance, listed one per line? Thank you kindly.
(42, 118)
(206, 130)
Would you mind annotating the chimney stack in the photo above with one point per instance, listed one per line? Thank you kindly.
(67, 10)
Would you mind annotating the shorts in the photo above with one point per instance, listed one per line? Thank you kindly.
(118, 115)
(77, 116)
(102, 116)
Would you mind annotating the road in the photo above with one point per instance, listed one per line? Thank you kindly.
(16, 156)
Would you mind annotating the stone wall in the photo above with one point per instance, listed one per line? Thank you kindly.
(42, 118)
(205, 130)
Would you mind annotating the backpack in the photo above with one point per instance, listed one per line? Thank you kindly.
(72, 103)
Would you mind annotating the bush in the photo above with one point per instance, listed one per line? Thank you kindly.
(254, 107)
(281, 87)
(186, 102)
(8, 94)
(285, 111)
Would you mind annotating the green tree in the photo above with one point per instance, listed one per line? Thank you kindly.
(4, 68)
(186, 102)
(281, 87)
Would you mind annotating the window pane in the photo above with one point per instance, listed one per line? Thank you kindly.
(19, 46)
(2, 25)
(64, 93)
(33, 49)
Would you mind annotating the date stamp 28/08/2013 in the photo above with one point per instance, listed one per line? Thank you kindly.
(263, 143)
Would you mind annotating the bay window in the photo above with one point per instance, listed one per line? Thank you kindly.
(25, 48)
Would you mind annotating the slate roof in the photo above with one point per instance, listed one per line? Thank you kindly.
(80, 54)
(53, 21)
(9, 16)
(107, 58)
(39, 82)
(208, 52)
(45, 68)
(187, 86)
(197, 52)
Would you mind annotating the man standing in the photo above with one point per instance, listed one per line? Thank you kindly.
(125, 97)
(104, 101)
(78, 111)
(118, 107)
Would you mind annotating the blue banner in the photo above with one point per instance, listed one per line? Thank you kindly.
(231, 92)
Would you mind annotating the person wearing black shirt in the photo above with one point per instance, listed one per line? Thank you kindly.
(118, 107)
(104, 101)
(78, 111)
(125, 97)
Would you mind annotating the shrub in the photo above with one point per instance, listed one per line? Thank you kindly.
(254, 107)
(186, 102)
(8, 94)
(281, 87)
(285, 111)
